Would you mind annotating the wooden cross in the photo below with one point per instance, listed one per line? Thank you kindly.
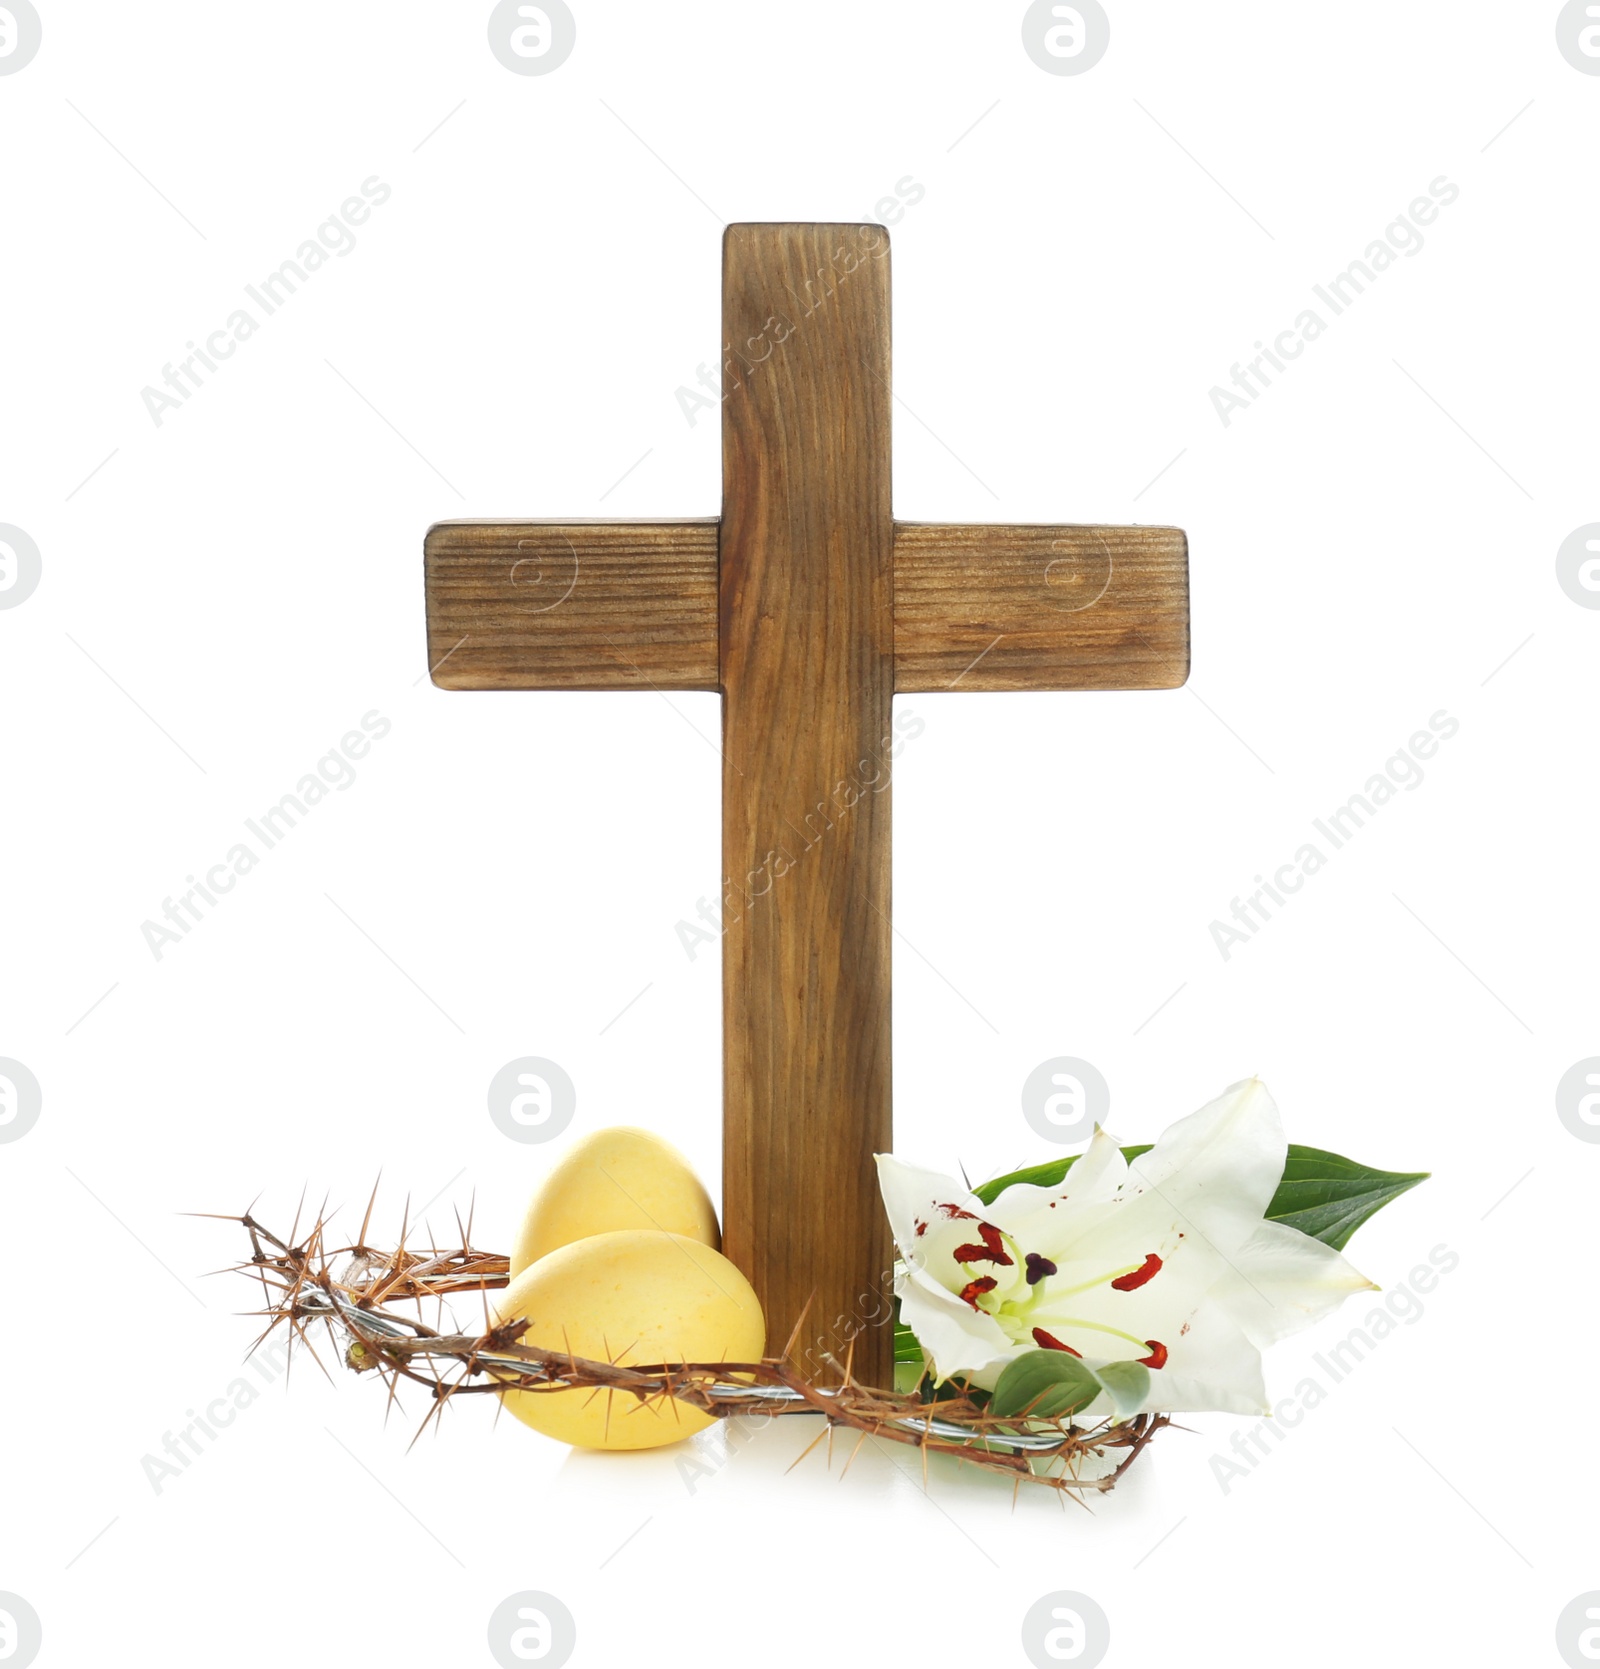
(809, 607)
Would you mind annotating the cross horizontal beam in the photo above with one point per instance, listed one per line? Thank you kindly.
(571, 605)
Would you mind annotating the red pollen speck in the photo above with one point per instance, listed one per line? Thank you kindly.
(922, 1228)
(1147, 1271)
(956, 1211)
(991, 1251)
(974, 1290)
(1048, 1341)
(1157, 1357)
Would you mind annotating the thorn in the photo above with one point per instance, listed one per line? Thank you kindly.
(827, 1431)
(366, 1221)
(800, 1322)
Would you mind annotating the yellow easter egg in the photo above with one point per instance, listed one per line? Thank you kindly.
(631, 1296)
(620, 1178)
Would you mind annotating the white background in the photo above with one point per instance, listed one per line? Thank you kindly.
(231, 591)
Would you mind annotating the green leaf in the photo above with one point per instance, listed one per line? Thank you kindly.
(1321, 1194)
(1329, 1198)
(1047, 1383)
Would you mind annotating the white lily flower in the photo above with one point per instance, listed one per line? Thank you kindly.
(1167, 1261)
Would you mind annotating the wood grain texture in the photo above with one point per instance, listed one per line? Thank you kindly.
(806, 651)
(572, 605)
(1040, 608)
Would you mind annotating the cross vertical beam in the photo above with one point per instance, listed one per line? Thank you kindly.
(807, 669)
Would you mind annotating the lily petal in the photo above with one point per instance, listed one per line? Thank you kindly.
(957, 1338)
(1219, 1167)
(1214, 1367)
(912, 1195)
(1041, 1217)
(1281, 1281)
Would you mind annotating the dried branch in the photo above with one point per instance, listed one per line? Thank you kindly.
(354, 1290)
